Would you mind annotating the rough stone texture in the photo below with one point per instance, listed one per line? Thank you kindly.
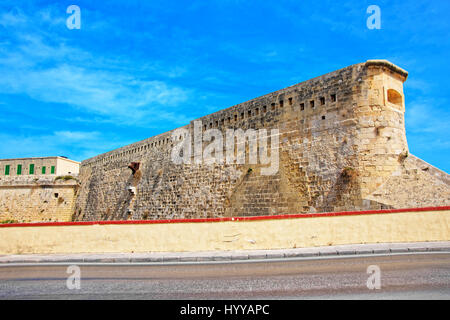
(347, 152)
(415, 182)
(37, 198)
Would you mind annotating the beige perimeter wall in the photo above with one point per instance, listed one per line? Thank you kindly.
(230, 235)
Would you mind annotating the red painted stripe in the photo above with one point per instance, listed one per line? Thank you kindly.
(253, 218)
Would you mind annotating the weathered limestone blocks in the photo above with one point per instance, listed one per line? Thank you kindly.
(341, 141)
(37, 198)
(413, 184)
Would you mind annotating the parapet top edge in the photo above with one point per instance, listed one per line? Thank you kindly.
(373, 62)
(281, 91)
(387, 64)
(134, 144)
(40, 158)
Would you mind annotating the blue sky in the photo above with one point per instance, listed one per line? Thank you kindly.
(139, 68)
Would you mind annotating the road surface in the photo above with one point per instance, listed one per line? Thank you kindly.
(403, 276)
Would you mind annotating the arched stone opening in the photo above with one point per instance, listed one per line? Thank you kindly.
(395, 97)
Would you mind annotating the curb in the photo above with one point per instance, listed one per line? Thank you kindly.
(232, 256)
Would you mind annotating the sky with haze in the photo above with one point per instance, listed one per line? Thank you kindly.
(139, 68)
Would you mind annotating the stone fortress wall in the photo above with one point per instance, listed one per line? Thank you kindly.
(342, 147)
(37, 199)
(38, 189)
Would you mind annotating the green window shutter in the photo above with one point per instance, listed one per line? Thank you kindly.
(7, 170)
(43, 170)
(52, 170)
(31, 169)
(19, 169)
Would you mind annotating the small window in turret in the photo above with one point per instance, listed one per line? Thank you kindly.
(322, 100)
(290, 101)
(333, 97)
(265, 109)
(281, 103)
(273, 106)
(302, 106)
(311, 103)
(394, 97)
(249, 113)
(256, 111)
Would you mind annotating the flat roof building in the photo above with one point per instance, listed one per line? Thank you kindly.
(39, 166)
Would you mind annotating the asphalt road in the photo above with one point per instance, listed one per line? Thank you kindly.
(405, 276)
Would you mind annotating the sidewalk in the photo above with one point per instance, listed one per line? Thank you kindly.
(162, 257)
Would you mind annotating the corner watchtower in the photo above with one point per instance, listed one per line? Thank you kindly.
(380, 109)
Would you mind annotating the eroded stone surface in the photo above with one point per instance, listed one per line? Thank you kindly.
(345, 151)
(37, 198)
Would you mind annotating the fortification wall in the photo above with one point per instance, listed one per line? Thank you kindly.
(414, 183)
(36, 198)
(341, 136)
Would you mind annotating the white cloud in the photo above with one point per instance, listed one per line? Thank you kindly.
(77, 145)
(101, 92)
(76, 136)
(8, 19)
(425, 116)
(45, 68)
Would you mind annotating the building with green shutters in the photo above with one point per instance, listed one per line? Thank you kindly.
(38, 166)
